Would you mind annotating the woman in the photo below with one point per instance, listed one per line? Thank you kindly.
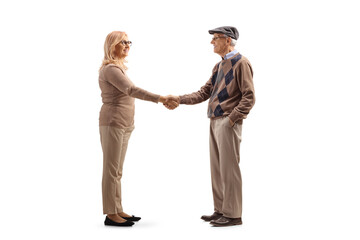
(117, 122)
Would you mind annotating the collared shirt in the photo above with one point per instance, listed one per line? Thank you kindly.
(230, 54)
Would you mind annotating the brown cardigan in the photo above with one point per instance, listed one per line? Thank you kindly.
(230, 89)
(118, 96)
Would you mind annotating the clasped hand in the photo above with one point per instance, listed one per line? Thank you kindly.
(170, 102)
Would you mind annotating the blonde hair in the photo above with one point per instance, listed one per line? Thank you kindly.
(110, 55)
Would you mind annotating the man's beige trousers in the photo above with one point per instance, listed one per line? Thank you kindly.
(114, 142)
(225, 171)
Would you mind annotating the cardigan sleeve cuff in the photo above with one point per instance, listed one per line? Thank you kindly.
(235, 117)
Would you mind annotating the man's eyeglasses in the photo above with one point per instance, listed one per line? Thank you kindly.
(126, 42)
(216, 38)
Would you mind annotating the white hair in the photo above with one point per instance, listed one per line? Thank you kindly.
(233, 41)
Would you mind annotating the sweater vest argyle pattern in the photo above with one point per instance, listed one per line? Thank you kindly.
(221, 79)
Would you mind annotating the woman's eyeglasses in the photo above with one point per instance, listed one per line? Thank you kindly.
(126, 42)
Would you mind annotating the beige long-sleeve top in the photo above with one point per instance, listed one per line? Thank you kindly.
(118, 96)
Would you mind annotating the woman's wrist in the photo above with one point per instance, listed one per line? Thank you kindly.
(161, 99)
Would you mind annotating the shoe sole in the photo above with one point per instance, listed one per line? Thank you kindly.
(225, 225)
(132, 220)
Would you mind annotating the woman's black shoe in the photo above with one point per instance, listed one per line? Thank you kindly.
(133, 218)
(109, 222)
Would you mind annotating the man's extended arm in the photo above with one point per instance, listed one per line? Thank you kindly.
(197, 97)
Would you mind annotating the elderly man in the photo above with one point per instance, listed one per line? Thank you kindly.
(231, 93)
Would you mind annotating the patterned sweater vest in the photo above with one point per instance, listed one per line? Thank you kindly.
(223, 83)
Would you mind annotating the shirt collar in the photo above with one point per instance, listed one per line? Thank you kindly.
(230, 54)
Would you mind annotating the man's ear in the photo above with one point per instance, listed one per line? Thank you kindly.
(228, 40)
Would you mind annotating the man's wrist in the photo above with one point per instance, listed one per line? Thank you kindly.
(232, 123)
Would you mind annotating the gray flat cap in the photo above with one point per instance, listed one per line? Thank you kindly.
(227, 30)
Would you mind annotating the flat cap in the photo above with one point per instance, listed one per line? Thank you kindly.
(227, 30)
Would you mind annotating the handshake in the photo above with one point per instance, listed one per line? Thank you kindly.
(170, 102)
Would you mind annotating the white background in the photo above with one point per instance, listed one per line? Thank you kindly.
(299, 155)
